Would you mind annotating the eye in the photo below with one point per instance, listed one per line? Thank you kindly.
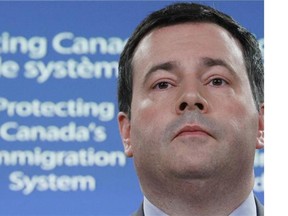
(218, 82)
(162, 85)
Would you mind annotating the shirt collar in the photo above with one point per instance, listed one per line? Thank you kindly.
(248, 207)
(151, 210)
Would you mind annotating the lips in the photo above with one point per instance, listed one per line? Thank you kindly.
(192, 130)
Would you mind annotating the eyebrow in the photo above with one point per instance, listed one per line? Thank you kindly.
(205, 61)
(210, 62)
(166, 66)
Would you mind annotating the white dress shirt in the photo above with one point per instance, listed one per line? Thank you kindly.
(247, 208)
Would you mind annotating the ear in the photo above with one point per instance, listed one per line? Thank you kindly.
(260, 137)
(124, 128)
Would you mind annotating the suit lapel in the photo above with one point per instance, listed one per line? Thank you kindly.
(139, 212)
(259, 207)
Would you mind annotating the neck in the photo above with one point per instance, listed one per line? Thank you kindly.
(198, 197)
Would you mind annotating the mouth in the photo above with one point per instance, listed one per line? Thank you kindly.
(192, 131)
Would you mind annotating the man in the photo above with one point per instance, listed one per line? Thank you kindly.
(191, 112)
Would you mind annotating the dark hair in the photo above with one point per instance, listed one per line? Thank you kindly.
(183, 13)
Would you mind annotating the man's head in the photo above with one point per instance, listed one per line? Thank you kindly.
(193, 13)
(190, 100)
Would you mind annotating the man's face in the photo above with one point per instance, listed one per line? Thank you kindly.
(192, 111)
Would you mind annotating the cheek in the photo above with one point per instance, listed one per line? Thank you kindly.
(242, 131)
(148, 122)
(240, 114)
(236, 104)
(141, 113)
(145, 132)
(144, 121)
(148, 112)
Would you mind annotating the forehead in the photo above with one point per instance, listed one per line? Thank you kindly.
(189, 40)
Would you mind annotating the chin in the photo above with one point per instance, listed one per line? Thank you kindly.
(192, 175)
(191, 170)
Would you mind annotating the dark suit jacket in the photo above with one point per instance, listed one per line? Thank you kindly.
(259, 207)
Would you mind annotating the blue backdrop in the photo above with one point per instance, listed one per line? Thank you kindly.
(60, 152)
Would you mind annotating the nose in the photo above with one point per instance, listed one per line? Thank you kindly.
(191, 99)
